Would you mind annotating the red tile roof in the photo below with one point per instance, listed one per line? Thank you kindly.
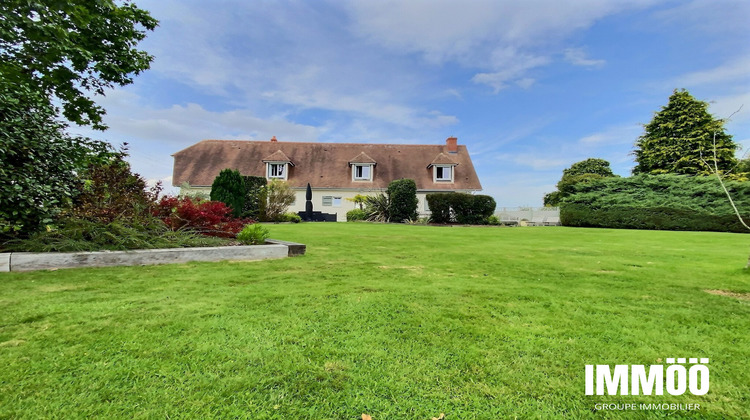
(325, 165)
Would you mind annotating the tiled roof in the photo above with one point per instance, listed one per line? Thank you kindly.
(324, 165)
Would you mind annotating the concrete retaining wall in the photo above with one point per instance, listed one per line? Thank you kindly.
(28, 261)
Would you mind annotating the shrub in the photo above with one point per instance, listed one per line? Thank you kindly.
(377, 208)
(280, 197)
(76, 235)
(229, 188)
(493, 220)
(473, 209)
(440, 207)
(291, 217)
(355, 215)
(212, 218)
(255, 197)
(254, 234)
(672, 202)
(460, 207)
(402, 195)
(111, 191)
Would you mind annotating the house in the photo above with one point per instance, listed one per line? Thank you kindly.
(336, 171)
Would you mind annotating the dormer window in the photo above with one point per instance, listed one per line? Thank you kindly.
(362, 172)
(277, 166)
(276, 170)
(362, 167)
(443, 168)
(443, 173)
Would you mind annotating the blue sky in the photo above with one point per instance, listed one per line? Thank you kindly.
(530, 87)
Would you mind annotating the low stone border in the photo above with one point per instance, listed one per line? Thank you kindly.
(29, 261)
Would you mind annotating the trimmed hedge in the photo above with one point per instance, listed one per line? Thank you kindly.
(462, 208)
(666, 202)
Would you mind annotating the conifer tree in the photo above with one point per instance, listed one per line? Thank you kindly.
(680, 136)
(229, 188)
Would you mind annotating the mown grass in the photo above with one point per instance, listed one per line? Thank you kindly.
(400, 322)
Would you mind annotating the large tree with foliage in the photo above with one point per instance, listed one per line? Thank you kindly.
(39, 161)
(579, 172)
(71, 49)
(229, 188)
(680, 137)
(402, 195)
(57, 52)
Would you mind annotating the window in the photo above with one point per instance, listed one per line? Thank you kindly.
(276, 170)
(443, 173)
(362, 172)
(330, 201)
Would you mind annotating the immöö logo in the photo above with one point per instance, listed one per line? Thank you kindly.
(677, 378)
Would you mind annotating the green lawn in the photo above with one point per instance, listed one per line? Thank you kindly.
(400, 322)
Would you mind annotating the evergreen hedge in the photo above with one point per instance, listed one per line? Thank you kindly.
(460, 207)
(667, 202)
(229, 188)
(402, 195)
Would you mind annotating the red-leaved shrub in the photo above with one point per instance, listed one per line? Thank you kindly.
(211, 218)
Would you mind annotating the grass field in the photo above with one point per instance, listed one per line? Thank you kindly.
(400, 322)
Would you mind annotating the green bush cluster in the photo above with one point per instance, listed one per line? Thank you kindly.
(77, 235)
(462, 208)
(669, 202)
(355, 215)
(229, 188)
(290, 218)
(254, 234)
(402, 196)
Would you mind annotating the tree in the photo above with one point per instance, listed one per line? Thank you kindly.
(64, 49)
(280, 197)
(402, 195)
(255, 197)
(229, 188)
(39, 162)
(55, 52)
(677, 137)
(583, 171)
(359, 200)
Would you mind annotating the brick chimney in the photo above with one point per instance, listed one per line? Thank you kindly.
(452, 144)
(273, 139)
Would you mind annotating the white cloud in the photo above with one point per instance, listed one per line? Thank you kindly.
(496, 36)
(535, 161)
(614, 135)
(733, 71)
(737, 104)
(513, 67)
(578, 57)
(182, 125)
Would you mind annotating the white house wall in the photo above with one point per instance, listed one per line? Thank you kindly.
(317, 200)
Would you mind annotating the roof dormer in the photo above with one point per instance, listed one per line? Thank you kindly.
(277, 165)
(442, 168)
(363, 167)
